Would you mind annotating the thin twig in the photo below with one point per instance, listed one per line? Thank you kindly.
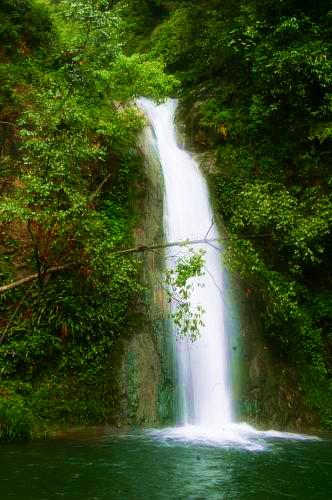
(100, 187)
(9, 123)
(212, 224)
(213, 279)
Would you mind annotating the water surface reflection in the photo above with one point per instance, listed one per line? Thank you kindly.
(137, 466)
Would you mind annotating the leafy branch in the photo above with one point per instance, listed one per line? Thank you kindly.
(127, 251)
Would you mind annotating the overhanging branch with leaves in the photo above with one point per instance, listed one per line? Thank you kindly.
(127, 251)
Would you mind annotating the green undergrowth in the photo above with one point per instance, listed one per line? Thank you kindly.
(16, 421)
(60, 357)
(255, 78)
(70, 178)
(255, 89)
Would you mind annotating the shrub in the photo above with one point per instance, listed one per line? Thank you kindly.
(15, 421)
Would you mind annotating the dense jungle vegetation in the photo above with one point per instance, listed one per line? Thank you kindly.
(67, 139)
(256, 75)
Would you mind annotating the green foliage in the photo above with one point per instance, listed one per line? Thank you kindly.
(70, 175)
(15, 421)
(318, 394)
(173, 38)
(139, 77)
(180, 281)
(259, 74)
(24, 25)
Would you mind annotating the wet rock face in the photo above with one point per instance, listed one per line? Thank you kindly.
(193, 136)
(267, 393)
(147, 376)
(201, 138)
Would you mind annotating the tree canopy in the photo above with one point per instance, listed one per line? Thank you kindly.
(255, 78)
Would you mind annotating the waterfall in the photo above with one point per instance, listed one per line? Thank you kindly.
(203, 366)
(203, 372)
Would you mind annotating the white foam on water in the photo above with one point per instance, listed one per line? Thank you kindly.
(230, 436)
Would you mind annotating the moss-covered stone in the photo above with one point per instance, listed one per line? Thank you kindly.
(147, 381)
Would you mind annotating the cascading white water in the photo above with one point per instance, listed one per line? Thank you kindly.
(203, 365)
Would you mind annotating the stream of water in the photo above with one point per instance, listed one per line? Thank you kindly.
(203, 374)
(205, 395)
(207, 455)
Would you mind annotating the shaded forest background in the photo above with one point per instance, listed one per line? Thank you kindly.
(256, 77)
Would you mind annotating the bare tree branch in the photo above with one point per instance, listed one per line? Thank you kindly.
(100, 187)
(128, 251)
(147, 248)
(9, 123)
(212, 224)
(33, 277)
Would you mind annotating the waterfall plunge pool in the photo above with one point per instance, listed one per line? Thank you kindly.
(140, 465)
(208, 455)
